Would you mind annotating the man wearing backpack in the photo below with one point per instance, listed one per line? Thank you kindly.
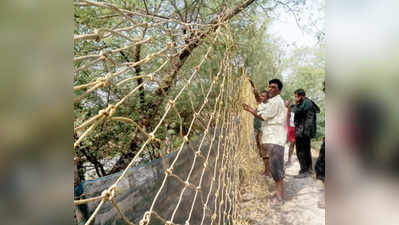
(305, 129)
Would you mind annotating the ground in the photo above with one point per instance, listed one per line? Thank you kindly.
(302, 197)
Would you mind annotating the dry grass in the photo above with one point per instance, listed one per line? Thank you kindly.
(240, 222)
(253, 189)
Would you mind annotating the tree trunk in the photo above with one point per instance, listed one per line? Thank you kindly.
(138, 71)
(93, 160)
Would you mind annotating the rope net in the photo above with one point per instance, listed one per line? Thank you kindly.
(173, 67)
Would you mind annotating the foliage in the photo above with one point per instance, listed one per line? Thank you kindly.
(308, 66)
(252, 48)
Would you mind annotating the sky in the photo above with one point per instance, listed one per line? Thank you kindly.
(300, 31)
(287, 28)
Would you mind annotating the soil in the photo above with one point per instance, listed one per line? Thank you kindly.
(302, 200)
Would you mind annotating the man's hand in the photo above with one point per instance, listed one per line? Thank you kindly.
(287, 103)
(246, 107)
(257, 97)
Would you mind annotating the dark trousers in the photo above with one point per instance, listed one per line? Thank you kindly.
(303, 154)
(320, 163)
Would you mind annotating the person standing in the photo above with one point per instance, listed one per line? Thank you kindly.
(320, 162)
(290, 131)
(260, 98)
(273, 116)
(305, 129)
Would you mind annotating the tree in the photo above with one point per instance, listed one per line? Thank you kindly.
(153, 46)
(308, 72)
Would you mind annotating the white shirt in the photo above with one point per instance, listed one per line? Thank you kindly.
(292, 124)
(274, 114)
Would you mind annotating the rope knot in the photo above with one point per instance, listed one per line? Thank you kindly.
(103, 112)
(108, 194)
(108, 112)
(146, 218)
(99, 34)
(104, 81)
(151, 76)
(171, 44)
(171, 102)
(168, 172)
(185, 138)
(105, 53)
(215, 79)
(151, 136)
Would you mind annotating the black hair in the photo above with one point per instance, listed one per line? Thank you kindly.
(300, 92)
(278, 82)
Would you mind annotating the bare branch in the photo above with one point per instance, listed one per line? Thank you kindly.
(177, 10)
(146, 8)
(286, 5)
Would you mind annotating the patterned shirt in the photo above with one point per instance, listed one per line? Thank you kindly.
(274, 114)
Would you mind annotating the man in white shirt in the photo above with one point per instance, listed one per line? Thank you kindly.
(273, 115)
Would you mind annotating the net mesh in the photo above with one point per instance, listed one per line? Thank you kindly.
(198, 183)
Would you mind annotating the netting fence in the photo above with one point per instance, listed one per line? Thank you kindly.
(198, 182)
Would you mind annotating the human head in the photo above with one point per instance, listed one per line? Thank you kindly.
(275, 87)
(264, 95)
(299, 95)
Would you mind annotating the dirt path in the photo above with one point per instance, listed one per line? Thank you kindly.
(301, 198)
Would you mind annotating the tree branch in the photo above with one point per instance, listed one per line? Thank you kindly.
(146, 8)
(177, 10)
(194, 40)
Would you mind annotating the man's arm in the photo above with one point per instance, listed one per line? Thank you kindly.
(255, 91)
(252, 111)
(301, 108)
(268, 111)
